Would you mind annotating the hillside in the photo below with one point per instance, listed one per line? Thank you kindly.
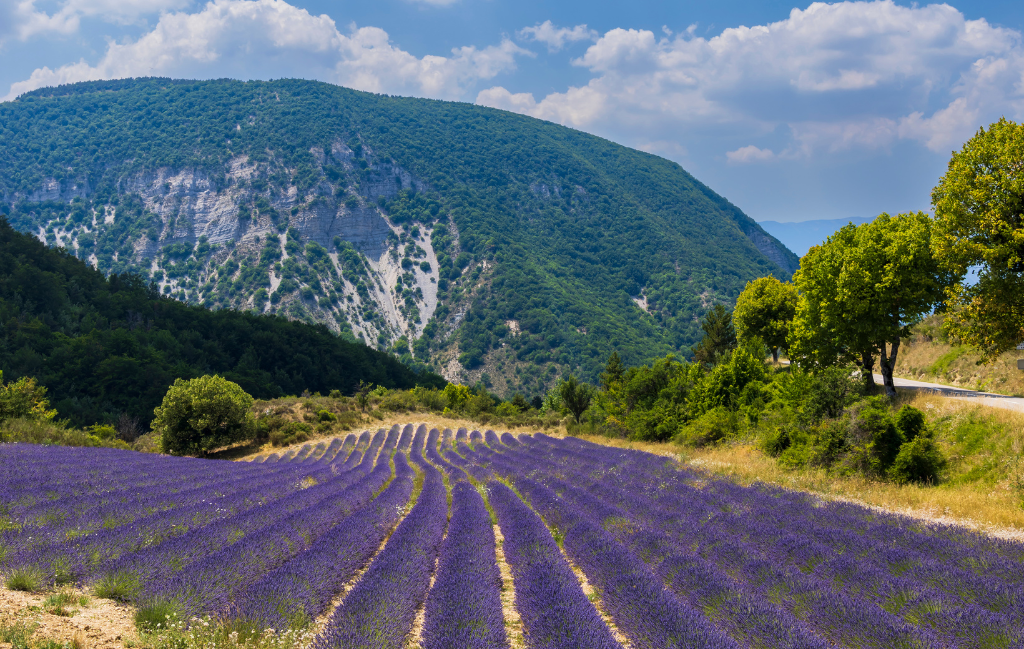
(490, 245)
(111, 346)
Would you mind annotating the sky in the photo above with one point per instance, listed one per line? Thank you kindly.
(791, 111)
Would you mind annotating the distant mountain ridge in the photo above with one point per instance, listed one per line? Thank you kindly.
(488, 245)
(800, 236)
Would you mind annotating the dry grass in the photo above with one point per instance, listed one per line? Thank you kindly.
(938, 362)
(984, 488)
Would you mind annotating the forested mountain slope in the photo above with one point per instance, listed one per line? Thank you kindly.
(488, 244)
(111, 346)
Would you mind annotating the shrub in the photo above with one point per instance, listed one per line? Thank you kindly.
(294, 432)
(710, 428)
(24, 399)
(876, 438)
(202, 414)
(831, 391)
(910, 421)
(919, 460)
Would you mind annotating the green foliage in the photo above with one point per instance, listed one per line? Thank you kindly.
(24, 399)
(570, 225)
(765, 310)
(919, 460)
(719, 336)
(711, 427)
(831, 390)
(862, 290)
(575, 396)
(155, 615)
(292, 432)
(36, 431)
(978, 224)
(107, 346)
(202, 414)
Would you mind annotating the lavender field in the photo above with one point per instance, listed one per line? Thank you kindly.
(386, 539)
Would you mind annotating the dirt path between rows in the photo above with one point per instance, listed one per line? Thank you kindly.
(98, 624)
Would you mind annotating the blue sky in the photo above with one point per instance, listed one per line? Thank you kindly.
(793, 112)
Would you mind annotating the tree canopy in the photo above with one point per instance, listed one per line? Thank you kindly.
(979, 223)
(862, 290)
(765, 310)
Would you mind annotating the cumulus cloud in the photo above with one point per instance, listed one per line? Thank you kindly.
(749, 153)
(247, 38)
(556, 37)
(27, 19)
(832, 76)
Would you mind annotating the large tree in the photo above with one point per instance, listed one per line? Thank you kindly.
(979, 223)
(862, 290)
(719, 336)
(765, 310)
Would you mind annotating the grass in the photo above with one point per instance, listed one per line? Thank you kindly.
(119, 586)
(58, 603)
(156, 615)
(27, 578)
(214, 634)
(983, 486)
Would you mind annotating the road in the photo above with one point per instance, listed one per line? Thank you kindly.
(981, 398)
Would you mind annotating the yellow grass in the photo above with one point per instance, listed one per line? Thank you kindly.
(938, 362)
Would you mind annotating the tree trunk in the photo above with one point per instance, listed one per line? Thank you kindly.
(867, 370)
(887, 363)
(775, 355)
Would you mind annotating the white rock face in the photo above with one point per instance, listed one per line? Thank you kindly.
(194, 207)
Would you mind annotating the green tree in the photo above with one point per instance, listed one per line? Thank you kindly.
(613, 372)
(719, 336)
(24, 399)
(979, 223)
(862, 290)
(765, 310)
(575, 396)
(199, 415)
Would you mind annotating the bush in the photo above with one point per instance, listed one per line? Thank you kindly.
(202, 414)
(875, 436)
(831, 391)
(911, 422)
(42, 431)
(710, 428)
(919, 460)
(23, 399)
(119, 586)
(293, 432)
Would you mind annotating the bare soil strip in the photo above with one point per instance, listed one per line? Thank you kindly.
(513, 623)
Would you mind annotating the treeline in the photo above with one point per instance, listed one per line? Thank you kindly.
(107, 348)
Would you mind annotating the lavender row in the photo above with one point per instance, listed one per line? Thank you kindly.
(94, 546)
(208, 585)
(302, 589)
(748, 616)
(555, 612)
(463, 607)
(907, 555)
(380, 609)
(160, 561)
(808, 591)
(184, 508)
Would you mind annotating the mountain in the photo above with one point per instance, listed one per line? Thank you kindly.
(489, 245)
(110, 346)
(800, 236)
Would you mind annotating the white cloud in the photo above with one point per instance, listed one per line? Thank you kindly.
(749, 153)
(834, 76)
(556, 37)
(263, 38)
(28, 20)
